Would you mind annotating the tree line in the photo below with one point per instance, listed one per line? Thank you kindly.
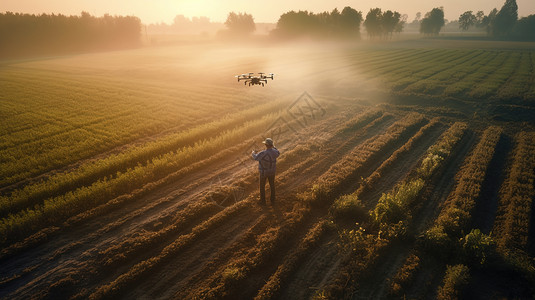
(383, 24)
(501, 24)
(29, 34)
(326, 24)
(25, 34)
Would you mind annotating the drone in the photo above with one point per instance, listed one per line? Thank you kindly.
(251, 79)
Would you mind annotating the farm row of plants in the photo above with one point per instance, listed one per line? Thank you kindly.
(131, 247)
(371, 180)
(54, 119)
(143, 241)
(224, 281)
(276, 281)
(61, 207)
(393, 211)
(391, 218)
(86, 174)
(343, 170)
(466, 74)
(516, 196)
(144, 267)
(276, 239)
(359, 120)
(450, 238)
(455, 217)
(455, 247)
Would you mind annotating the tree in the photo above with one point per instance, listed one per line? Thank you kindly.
(401, 24)
(505, 19)
(373, 22)
(350, 21)
(240, 24)
(345, 24)
(524, 28)
(433, 22)
(390, 20)
(480, 16)
(488, 21)
(25, 34)
(467, 20)
(293, 24)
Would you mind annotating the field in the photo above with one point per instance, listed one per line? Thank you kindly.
(407, 170)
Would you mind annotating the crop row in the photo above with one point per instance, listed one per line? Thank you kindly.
(392, 215)
(190, 214)
(413, 80)
(479, 74)
(272, 241)
(137, 245)
(276, 281)
(238, 267)
(370, 181)
(86, 174)
(516, 196)
(439, 79)
(394, 210)
(359, 120)
(51, 123)
(455, 217)
(519, 82)
(133, 246)
(61, 207)
(343, 170)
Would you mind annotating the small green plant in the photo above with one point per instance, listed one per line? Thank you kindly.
(350, 240)
(320, 295)
(393, 207)
(437, 242)
(348, 207)
(478, 247)
(453, 220)
(231, 274)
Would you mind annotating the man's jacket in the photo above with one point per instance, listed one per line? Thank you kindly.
(267, 161)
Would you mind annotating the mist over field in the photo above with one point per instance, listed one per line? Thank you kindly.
(406, 167)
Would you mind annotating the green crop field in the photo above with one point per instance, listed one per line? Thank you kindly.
(482, 74)
(403, 167)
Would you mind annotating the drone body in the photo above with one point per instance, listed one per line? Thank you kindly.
(251, 79)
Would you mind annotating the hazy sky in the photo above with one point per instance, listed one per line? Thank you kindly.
(152, 11)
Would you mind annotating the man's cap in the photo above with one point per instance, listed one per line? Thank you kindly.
(268, 142)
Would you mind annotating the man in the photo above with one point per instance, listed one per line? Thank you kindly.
(267, 161)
